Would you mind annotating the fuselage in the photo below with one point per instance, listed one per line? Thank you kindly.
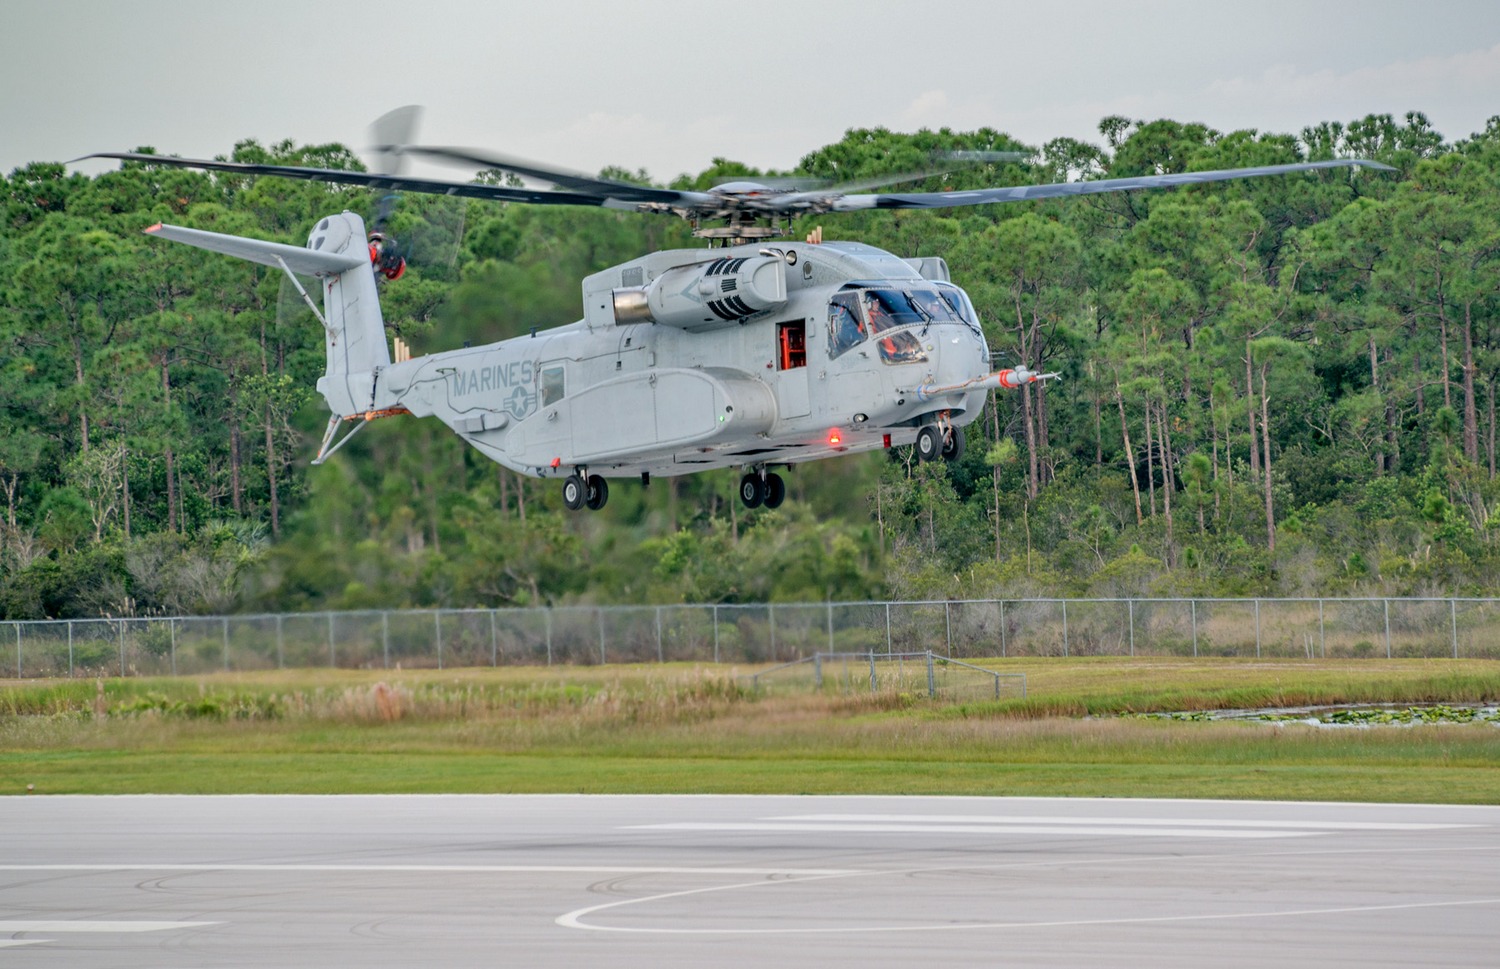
(669, 372)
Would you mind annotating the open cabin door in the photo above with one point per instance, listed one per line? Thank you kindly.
(791, 366)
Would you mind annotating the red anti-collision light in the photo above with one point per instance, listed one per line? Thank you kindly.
(834, 437)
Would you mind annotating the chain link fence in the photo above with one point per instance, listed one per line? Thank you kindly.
(755, 634)
(910, 673)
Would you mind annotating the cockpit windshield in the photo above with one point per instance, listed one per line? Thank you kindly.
(887, 309)
(858, 313)
(935, 307)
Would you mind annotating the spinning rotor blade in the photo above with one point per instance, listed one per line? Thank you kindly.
(389, 134)
(430, 186)
(838, 189)
(1025, 193)
(573, 181)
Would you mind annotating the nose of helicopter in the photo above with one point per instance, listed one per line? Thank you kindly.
(958, 354)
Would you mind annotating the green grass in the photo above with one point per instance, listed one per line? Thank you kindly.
(689, 729)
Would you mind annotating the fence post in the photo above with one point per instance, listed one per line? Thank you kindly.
(437, 622)
(1387, 628)
(716, 632)
(887, 646)
(948, 622)
(1194, 604)
(280, 644)
(494, 642)
(548, 615)
(600, 613)
(931, 679)
(333, 662)
(660, 656)
(18, 651)
(1257, 629)
(1452, 612)
(771, 614)
(1131, 604)
(1322, 642)
(872, 669)
(70, 649)
(1003, 652)
(1065, 627)
(122, 648)
(171, 641)
(830, 628)
(225, 621)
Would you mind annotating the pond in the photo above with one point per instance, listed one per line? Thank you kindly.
(1371, 715)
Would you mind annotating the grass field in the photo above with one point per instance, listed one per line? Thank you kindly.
(697, 729)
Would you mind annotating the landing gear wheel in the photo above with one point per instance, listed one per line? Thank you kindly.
(598, 492)
(575, 492)
(953, 445)
(929, 443)
(775, 490)
(752, 490)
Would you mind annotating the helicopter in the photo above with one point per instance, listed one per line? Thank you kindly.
(755, 352)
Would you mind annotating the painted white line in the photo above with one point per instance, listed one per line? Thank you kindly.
(574, 919)
(69, 926)
(990, 819)
(455, 869)
(1117, 831)
(12, 943)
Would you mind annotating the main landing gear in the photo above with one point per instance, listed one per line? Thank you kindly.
(762, 487)
(582, 489)
(935, 441)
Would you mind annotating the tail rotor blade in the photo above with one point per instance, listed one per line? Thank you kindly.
(390, 134)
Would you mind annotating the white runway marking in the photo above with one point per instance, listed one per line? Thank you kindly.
(989, 819)
(574, 919)
(456, 869)
(70, 925)
(996, 827)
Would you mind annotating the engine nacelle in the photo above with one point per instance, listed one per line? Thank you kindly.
(706, 295)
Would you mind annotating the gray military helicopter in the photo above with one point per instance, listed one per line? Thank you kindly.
(753, 352)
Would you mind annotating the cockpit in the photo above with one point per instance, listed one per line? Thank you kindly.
(896, 317)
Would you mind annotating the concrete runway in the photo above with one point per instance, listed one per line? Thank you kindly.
(554, 881)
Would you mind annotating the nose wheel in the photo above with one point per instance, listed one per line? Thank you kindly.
(935, 441)
(761, 487)
(582, 489)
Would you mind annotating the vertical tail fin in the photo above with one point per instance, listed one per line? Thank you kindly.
(354, 331)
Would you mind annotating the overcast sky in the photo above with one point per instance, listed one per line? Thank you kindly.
(666, 85)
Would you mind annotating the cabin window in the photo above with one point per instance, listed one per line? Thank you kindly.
(791, 339)
(552, 385)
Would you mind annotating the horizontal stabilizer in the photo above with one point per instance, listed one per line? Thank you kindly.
(306, 261)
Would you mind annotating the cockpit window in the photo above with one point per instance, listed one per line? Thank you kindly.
(857, 313)
(958, 301)
(935, 307)
(902, 347)
(887, 309)
(845, 328)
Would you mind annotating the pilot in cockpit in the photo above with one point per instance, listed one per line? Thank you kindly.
(878, 314)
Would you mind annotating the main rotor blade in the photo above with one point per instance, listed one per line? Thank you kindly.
(405, 183)
(1024, 193)
(573, 181)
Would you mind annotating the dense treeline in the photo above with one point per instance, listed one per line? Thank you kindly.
(1275, 387)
